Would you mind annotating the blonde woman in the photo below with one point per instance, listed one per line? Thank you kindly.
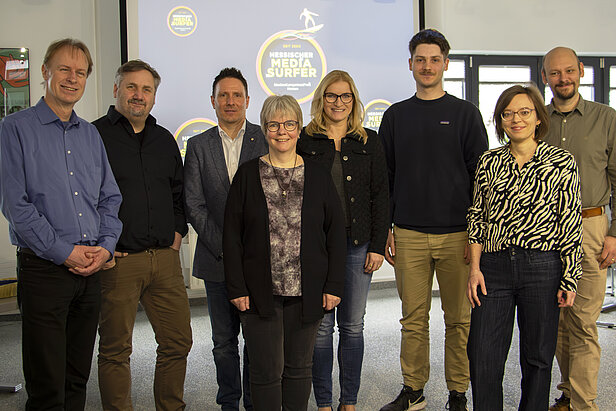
(354, 157)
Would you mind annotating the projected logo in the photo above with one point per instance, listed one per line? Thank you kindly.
(292, 62)
(189, 129)
(182, 21)
(373, 113)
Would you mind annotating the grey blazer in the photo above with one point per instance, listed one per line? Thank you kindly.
(206, 185)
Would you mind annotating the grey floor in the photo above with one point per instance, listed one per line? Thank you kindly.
(381, 379)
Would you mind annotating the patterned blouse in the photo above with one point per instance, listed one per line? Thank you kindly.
(284, 194)
(537, 206)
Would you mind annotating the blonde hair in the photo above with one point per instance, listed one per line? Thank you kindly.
(280, 105)
(318, 124)
(74, 44)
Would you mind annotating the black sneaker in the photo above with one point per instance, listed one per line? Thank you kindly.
(457, 401)
(407, 400)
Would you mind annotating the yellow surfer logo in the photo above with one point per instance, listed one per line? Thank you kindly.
(182, 21)
(292, 61)
(373, 113)
(189, 129)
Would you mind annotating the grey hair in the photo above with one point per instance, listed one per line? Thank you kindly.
(280, 105)
(136, 65)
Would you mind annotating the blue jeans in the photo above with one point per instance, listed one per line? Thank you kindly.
(350, 316)
(527, 280)
(225, 321)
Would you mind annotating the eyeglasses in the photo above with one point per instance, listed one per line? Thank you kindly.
(344, 97)
(524, 113)
(274, 126)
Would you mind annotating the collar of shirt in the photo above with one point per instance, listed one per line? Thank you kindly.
(232, 149)
(115, 116)
(46, 114)
(580, 107)
(540, 153)
(240, 134)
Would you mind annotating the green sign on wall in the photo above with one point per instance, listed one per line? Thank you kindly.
(14, 80)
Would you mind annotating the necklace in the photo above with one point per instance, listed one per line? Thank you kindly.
(284, 191)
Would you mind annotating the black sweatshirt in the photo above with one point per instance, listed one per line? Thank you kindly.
(432, 148)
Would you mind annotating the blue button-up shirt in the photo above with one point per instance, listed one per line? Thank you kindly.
(56, 186)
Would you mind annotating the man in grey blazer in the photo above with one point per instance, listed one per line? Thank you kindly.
(212, 158)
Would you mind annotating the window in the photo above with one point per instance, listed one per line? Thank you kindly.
(481, 79)
(610, 70)
(454, 78)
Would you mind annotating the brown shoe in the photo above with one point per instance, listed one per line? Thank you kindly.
(561, 404)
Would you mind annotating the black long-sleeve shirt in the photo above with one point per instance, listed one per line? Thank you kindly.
(149, 172)
(431, 148)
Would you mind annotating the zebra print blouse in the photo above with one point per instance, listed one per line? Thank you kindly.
(537, 206)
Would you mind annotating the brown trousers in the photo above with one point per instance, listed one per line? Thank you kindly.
(153, 277)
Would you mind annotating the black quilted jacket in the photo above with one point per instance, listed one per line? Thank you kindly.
(365, 183)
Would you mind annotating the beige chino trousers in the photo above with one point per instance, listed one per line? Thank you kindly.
(418, 256)
(578, 352)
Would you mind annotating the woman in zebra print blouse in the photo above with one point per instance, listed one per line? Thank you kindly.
(525, 234)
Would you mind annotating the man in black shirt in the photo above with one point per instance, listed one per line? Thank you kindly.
(146, 162)
(432, 142)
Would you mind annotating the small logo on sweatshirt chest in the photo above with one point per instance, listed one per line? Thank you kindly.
(444, 122)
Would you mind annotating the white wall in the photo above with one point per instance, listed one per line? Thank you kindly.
(532, 26)
(36, 23)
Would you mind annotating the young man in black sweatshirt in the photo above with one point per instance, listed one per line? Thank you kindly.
(432, 142)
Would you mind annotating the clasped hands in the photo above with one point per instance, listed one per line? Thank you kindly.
(85, 260)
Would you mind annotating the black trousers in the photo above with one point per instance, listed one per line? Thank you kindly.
(59, 312)
(523, 283)
(280, 350)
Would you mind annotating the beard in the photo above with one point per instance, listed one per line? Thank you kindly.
(563, 94)
(139, 110)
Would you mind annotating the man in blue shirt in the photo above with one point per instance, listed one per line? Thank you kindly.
(61, 200)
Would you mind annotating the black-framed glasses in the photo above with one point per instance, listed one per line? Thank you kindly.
(288, 125)
(524, 113)
(344, 97)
